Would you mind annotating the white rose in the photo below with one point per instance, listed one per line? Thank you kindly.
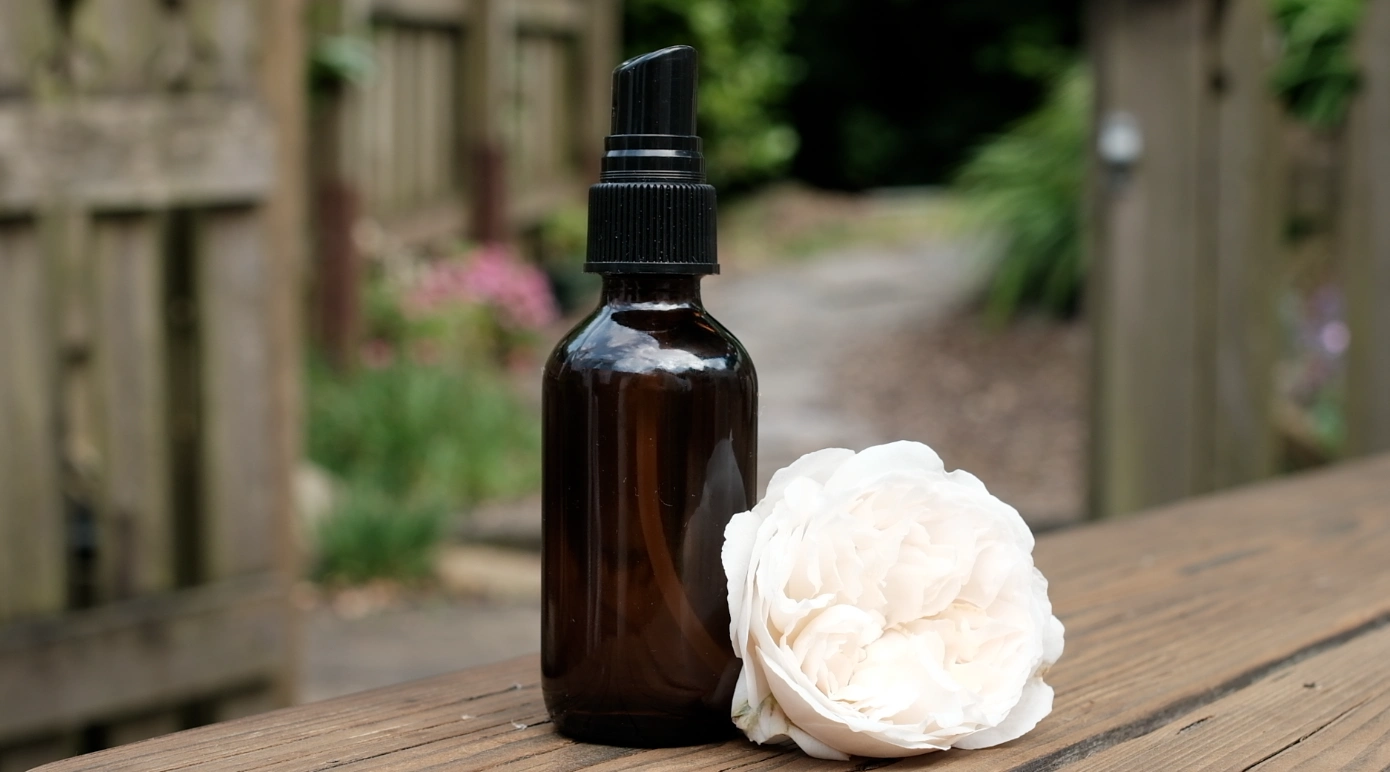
(884, 607)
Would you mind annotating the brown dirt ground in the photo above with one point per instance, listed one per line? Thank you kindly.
(1008, 405)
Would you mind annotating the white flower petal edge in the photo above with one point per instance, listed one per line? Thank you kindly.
(885, 607)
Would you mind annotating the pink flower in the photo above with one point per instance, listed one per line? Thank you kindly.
(491, 275)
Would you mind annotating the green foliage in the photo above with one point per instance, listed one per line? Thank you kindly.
(1317, 74)
(374, 536)
(1026, 186)
(337, 60)
(413, 444)
(419, 434)
(560, 243)
(745, 73)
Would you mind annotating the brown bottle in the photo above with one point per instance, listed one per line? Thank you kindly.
(650, 441)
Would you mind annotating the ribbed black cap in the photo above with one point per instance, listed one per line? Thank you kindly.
(652, 211)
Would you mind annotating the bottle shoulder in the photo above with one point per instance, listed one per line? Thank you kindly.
(651, 339)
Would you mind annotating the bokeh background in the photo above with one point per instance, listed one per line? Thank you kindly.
(277, 278)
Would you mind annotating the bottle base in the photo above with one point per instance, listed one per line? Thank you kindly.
(642, 731)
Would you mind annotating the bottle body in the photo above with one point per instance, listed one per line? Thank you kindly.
(650, 426)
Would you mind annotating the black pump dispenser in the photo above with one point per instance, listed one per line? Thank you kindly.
(652, 211)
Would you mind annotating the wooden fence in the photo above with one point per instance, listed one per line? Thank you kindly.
(1188, 222)
(148, 366)
(479, 118)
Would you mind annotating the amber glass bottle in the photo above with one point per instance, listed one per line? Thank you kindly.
(650, 440)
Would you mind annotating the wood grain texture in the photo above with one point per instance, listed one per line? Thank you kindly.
(1365, 240)
(235, 296)
(137, 655)
(1149, 63)
(1168, 615)
(1342, 690)
(282, 76)
(1246, 250)
(1185, 245)
(103, 153)
(33, 563)
(135, 553)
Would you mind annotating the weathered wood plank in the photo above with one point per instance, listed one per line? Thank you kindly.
(438, 13)
(282, 76)
(1184, 239)
(33, 561)
(1365, 240)
(112, 44)
(137, 152)
(600, 56)
(135, 554)
(25, 38)
(428, 223)
(235, 297)
(227, 35)
(1279, 721)
(139, 654)
(489, 72)
(1166, 614)
(427, 116)
(551, 16)
(1148, 60)
(381, 112)
(1246, 252)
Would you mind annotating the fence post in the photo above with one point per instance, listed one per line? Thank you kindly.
(1184, 242)
(1365, 239)
(489, 81)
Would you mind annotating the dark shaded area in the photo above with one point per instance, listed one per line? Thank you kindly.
(898, 92)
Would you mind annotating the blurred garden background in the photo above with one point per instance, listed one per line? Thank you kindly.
(302, 338)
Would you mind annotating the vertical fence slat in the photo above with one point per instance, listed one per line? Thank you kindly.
(136, 552)
(1248, 249)
(447, 96)
(383, 110)
(26, 35)
(33, 549)
(1365, 240)
(403, 110)
(432, 116)
(1148, 61)
(599, 54)
(239, 529)
(1185, 243)
(422, 115)
(226, 33)
(122, 45)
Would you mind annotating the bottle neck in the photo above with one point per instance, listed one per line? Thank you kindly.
(624, 289)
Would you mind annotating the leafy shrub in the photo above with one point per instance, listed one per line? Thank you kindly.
(419, 433)
(1317, 74)
(374, 536)
(1027, 186)
(746, 72)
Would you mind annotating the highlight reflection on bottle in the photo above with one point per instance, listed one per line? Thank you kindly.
(650, 426)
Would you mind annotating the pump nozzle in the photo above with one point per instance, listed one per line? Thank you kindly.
(651, 211)
(655, 93)
(654, 119)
